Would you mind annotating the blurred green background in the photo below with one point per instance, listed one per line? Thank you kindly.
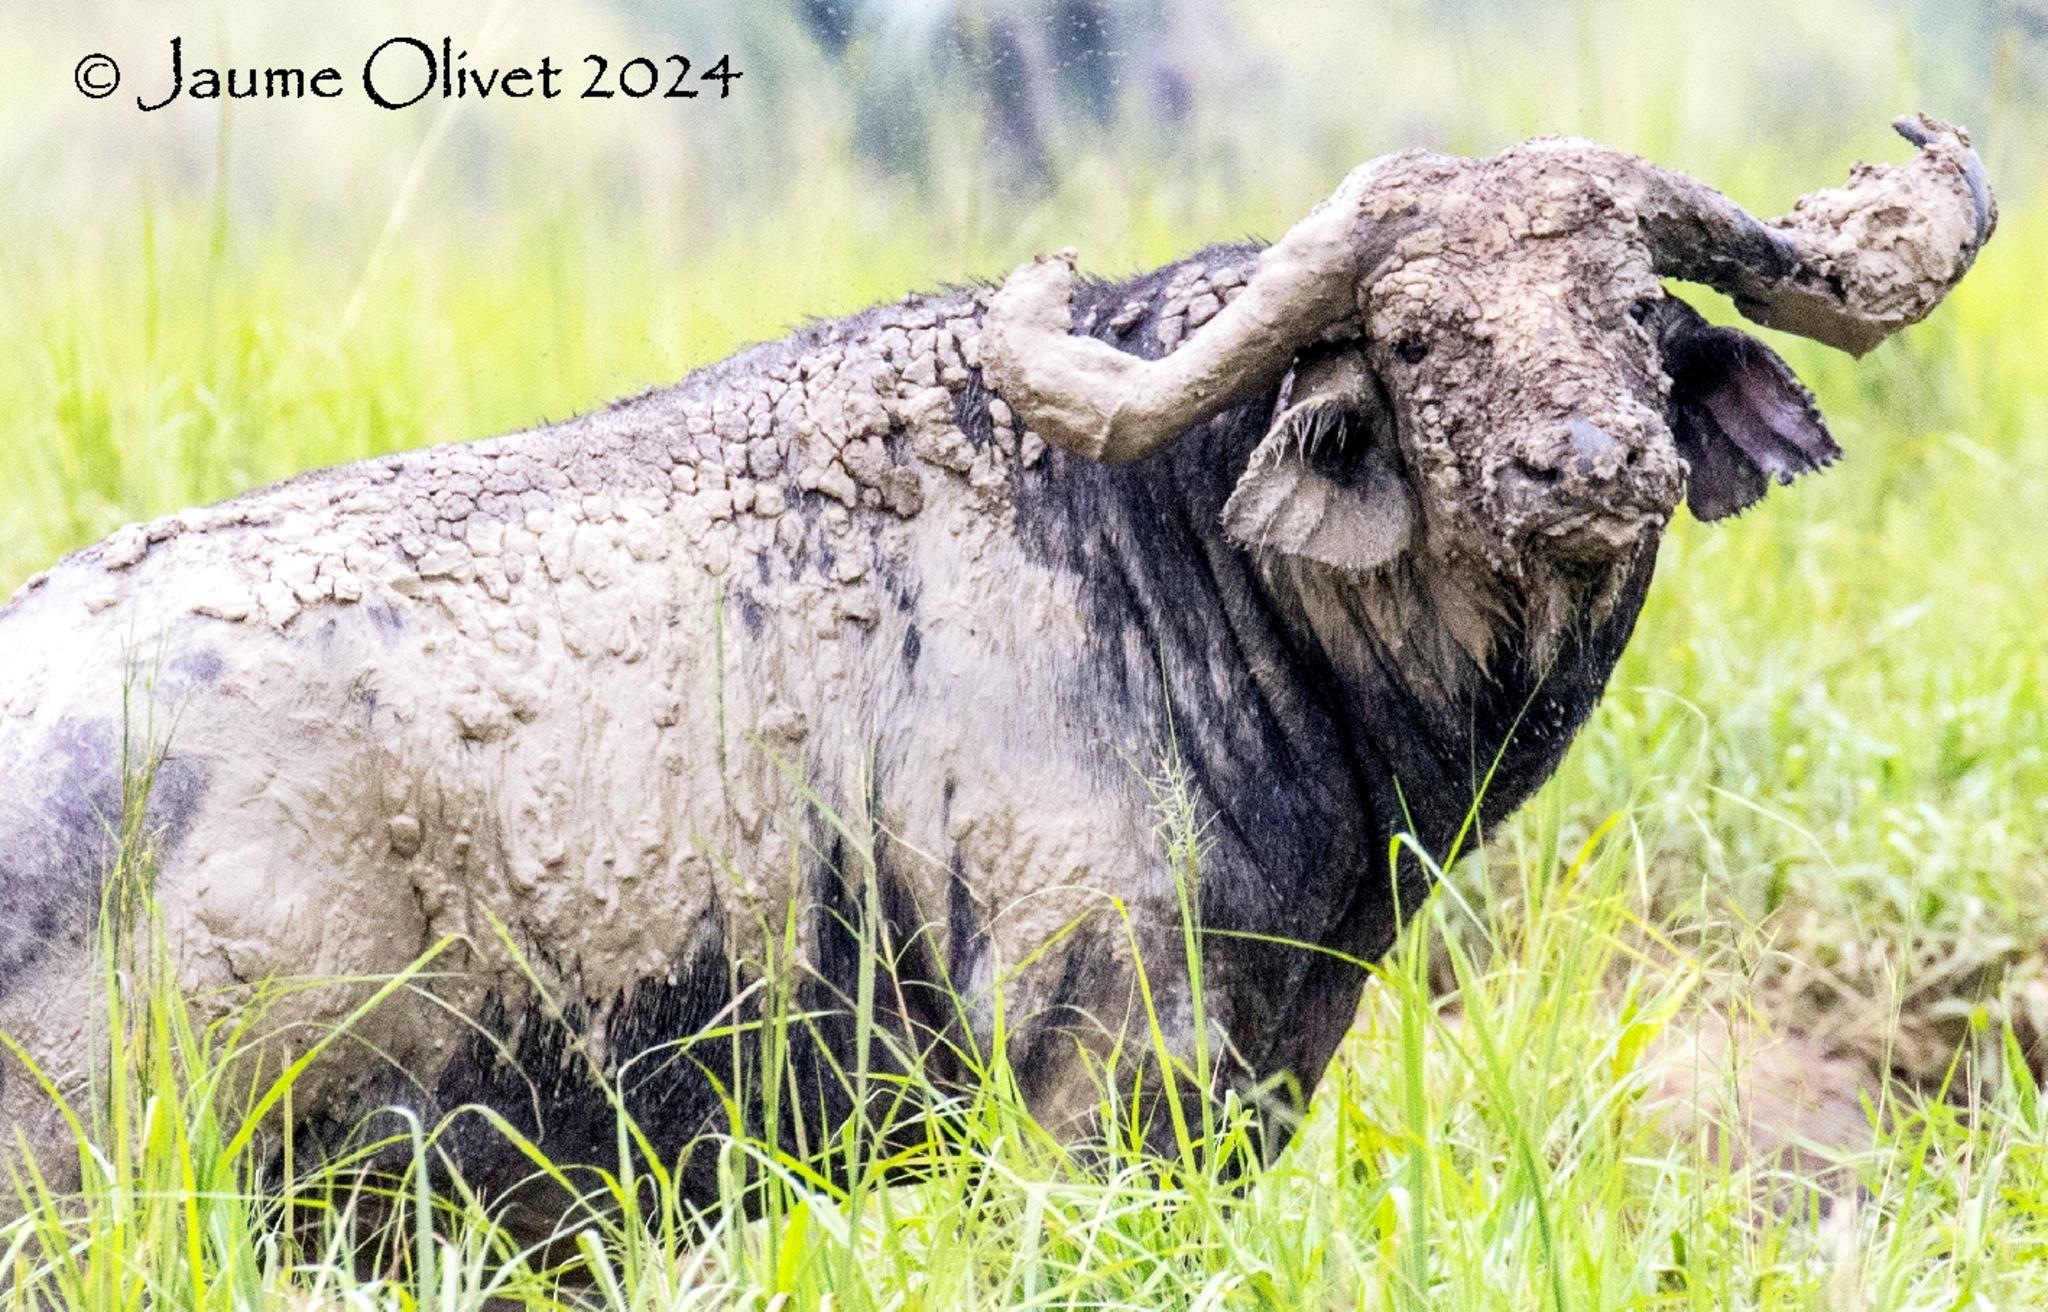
(1829, 733)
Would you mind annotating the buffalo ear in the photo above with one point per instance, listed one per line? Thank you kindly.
(1326, 483)
(1739, 415)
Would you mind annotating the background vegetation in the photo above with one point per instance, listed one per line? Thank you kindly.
(1815, 799)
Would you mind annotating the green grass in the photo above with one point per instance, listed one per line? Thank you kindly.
(1816, 792)
(1484, 1142)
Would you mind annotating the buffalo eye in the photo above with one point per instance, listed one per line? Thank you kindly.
(1411, 350)
(1641, 309)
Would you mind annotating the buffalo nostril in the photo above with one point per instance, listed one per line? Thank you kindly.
(1592, 445)
(1541, 475)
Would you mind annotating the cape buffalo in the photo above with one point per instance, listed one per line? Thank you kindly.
(844, 671)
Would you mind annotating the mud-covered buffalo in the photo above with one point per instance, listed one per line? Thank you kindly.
(878, 642)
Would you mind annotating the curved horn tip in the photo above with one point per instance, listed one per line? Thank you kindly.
(1924, 130)
(1913, 128)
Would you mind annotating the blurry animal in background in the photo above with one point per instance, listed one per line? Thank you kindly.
(1031, 67)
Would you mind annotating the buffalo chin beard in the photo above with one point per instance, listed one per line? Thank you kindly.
(1594, 537)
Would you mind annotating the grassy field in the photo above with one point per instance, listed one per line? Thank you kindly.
(1815, 798)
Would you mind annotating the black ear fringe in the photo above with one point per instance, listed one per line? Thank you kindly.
(1720, 482)
(1740, 417)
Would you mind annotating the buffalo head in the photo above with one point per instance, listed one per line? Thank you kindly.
(1478, 357)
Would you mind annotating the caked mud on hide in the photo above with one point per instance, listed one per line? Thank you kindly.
(876, 640)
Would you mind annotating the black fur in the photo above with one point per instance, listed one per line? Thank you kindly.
(541, 1074)
(1307, 774)
(56, 851)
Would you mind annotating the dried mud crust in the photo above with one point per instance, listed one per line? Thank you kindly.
(1849, 266)
(550, 691)
(554, 687)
